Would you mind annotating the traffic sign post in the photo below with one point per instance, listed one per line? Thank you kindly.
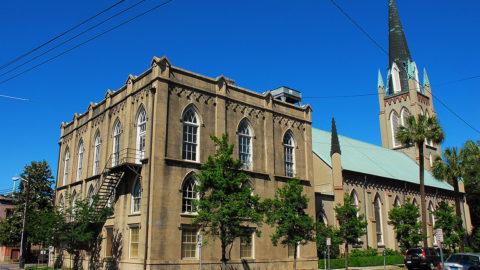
(329, 243)
(439, 236)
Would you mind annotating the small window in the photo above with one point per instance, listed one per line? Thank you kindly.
(188, 195)
(190, 135)
(109, 244)
(141, 131)
(96, 154)
(136, 197)
(289, 147)
(134, 241)
(246, 246)
(66, 166)
(245, 145)
(189, 243)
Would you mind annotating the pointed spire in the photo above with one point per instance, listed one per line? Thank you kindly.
(335, 145)
(380, 80)
(397, 44)
(426, 81)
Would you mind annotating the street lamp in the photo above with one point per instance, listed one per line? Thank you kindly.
(21, 263)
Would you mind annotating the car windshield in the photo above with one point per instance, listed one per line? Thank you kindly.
(462, 258)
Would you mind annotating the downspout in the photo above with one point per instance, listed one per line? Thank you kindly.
(365, 206)
(147, 227)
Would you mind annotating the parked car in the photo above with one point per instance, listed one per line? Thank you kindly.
(462, 261)
(424, 258)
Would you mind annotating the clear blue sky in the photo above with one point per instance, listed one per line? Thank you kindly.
(306, 45)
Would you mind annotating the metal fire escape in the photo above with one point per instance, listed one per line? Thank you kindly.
(116, 168)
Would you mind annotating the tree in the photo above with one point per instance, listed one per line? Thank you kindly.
(286, 212)
(226, 203)
(322, 231)
(451, 170)
(415, 133)
(451, 225)
(404, 220)
(351, 225)
(39, 174)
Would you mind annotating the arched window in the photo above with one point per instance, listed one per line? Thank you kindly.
(431, 219)
(395, 79)
(61, 203)
(81, 149)
(66, 166)
(188, 195)
(427, 141)
(404, 113)
(141, 131)
(394, 123)
(354, 196)
(96, 153)
(245, 144)
(117, 133)
(74, 203)
(288, 147)
(396, 203)
(136, 196)
(90, 194)
(378, 220)
(190, 134)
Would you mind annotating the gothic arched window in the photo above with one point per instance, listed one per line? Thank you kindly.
(90, 194)
(136, 196)
(66, 166)
(81, 149)
(394, 123)
(141, 131)
(396, 203)
(289, 150)
(190, 134)
(96, 153)
(117, 133)
(245, 144)
(61, 203)
(378, 220)
(188, 195)
(404, 114)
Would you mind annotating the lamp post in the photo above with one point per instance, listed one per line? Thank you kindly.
(21, 263)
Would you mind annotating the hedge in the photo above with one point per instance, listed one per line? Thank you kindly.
(362, 261)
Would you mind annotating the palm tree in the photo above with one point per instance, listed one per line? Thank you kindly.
(452, 170)
(414, 133)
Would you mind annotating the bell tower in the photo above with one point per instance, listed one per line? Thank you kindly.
(403, 95)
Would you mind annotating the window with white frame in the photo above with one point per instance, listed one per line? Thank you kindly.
(245, 144)
(394, 124)
(141, 131)
(188, 195)
(136, 197)
(404, 114)
(247, 246)
(66, 166)
(190, 134)
(378, 220)
(289, 154)
(117, 133)
(81, 150)
(91, 190)
(134, 241)
(96, 153)
(189, 243)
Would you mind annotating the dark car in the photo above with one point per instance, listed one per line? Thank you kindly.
(424, 258)
(463, 261)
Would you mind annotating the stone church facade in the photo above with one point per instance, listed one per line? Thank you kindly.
(139, 149)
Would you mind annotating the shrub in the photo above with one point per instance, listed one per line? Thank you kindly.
(363, 261)
(364, 252)
(392, 252)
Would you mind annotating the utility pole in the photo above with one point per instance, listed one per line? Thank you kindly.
(21, 263)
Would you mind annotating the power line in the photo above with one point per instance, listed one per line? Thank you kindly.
(34, 101)
(87, 41)
(72, 38)
(383, 50)
(62, 34)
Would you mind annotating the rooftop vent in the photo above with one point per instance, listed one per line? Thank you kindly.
(288, 95)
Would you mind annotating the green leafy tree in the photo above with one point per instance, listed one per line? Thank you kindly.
(286, 212)
(351, 225)
(451, 225)
(39, 174)
(415, 133)
(226, 204)
(322, 232)
(404, 220)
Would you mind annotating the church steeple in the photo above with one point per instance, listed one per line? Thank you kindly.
(397, 45)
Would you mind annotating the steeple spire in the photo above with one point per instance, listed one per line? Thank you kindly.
(335, 145)
(397, 44)
(426, 81)
(380, 80)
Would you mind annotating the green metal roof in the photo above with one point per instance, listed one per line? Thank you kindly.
(371, 159)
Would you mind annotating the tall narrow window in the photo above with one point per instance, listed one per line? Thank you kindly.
(378, 220)
(91, 190)
(396, 203)
(134, 241)
(404, 114)
(430, 159)
(190, 135)
(96, 153)
(74, 203)
(245, 145)
(428, 142)
(117, 133)
(136, 197)
(288, 147)
(109, 246)
(246, 246)
(431, 219)
(188, 195)
(189, 243)
(81, 149)
(61, 203)
(66, 166)
(141, 131)
(394, 123)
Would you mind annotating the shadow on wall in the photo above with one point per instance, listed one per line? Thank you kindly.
(95, 262)
(113, 262)
(58, 261)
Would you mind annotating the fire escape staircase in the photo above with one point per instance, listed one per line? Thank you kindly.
(116, 168)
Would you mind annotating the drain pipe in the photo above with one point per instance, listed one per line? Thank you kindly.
(365, 206)
(147, 227)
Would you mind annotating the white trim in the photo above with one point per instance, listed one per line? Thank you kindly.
(141, 134)
(66, 165)
(132, 202)
(96, 154)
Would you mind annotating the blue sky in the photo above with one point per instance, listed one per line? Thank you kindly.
(306, 45)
